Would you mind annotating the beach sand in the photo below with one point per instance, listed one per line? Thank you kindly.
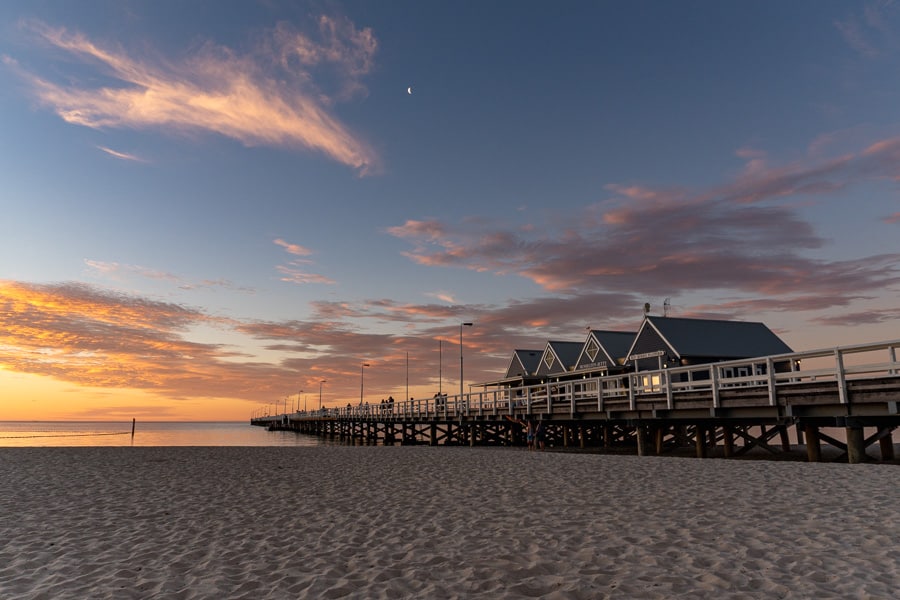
(420, 522)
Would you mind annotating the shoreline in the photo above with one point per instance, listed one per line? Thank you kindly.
(413, 522)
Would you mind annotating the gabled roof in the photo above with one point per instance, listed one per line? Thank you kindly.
(559, 357)
(714, 338)
(610, 347)
(523, 363)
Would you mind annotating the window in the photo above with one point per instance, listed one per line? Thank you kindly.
(549, 359)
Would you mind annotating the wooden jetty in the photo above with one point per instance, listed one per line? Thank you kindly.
(729, 408)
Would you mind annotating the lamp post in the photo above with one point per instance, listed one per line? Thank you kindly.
(320, 393)
(461, 325)
(361, 372)
(298, 401)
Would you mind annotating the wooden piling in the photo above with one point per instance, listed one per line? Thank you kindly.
(856, 449)
(728, 440)
(640, 432)
(887, 446)
(785, 438)
(700, 441)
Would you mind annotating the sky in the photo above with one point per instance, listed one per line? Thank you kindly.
(212, 209)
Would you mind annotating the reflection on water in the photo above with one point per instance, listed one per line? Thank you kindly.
(47, 433)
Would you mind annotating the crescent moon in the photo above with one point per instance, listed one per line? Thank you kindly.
(409, 90)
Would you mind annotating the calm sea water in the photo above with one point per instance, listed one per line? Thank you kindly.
(148, 433)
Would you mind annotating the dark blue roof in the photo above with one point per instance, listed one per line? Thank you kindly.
(723, 339)
(529, 360)
(616, 343)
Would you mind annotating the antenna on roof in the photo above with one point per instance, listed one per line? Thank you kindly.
(666, 306)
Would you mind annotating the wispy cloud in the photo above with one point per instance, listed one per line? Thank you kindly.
(297, 270)
(295, 249)
(266, 97)
(443, 296)
(115, 270)
(868, 32)
(121, 155)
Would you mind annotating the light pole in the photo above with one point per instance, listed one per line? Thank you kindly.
(361, 371)
(298, 401)
(320, 393)
(461, 325)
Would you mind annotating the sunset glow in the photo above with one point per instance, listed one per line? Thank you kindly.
(210, 211)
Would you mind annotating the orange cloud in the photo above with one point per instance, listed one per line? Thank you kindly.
(266, 98)
(77, 334)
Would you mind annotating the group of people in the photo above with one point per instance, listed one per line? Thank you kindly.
(535, 434)
(385, 408)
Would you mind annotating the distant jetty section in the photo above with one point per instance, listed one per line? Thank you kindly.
(726, 408)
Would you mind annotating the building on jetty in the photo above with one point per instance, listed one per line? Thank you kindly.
(718, 387)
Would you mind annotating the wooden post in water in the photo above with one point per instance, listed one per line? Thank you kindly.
(813, 443)
(133, 423)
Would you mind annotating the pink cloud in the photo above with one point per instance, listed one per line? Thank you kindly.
(653, 241)
(264, 98)
(291, 274)
(294, 249)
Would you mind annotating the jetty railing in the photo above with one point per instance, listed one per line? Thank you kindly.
(650, 390)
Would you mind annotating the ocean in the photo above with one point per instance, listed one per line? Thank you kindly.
(147, 433)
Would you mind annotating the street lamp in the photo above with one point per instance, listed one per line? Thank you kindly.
(320, 393)
(361, 371)
(298, 401)
(461, 325)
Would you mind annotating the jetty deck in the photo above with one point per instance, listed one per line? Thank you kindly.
(728, 407)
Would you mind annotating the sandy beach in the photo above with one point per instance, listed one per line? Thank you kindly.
(419, 522)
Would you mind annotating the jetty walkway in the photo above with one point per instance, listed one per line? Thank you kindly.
(728, 408)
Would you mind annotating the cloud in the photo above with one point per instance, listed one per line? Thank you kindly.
(121, 155)
(115, 270)
(294, 249)
(854, 319)
(869, 32)
(290, 274)
(267, 97)
(740, 236)
(295, 271)
(443, 296)
(856, 37)
(92, 337)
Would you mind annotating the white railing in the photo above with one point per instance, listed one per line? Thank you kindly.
(631, 390)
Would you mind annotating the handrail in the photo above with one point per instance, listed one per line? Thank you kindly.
(634, 388)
